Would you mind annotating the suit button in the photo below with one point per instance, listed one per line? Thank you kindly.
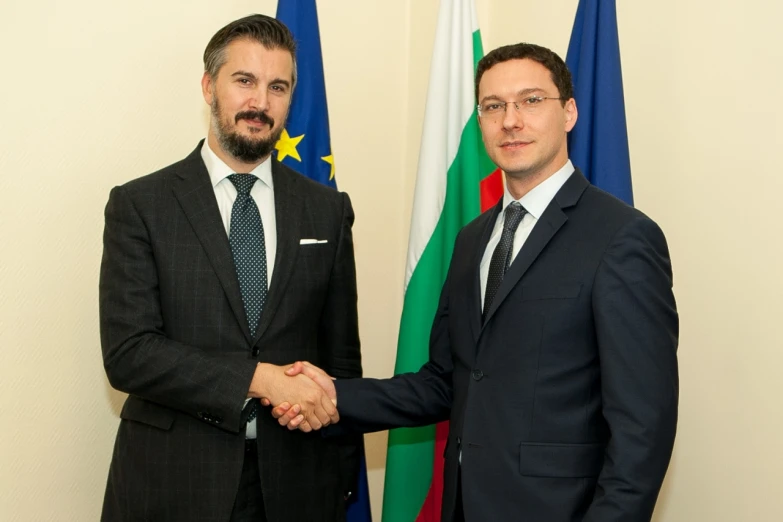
(477, 375)
(201, 415)
(256, 350)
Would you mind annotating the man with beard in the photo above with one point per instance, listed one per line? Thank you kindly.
(217, 270)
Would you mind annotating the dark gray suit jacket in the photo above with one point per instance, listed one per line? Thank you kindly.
(563, 404)
(175, 338)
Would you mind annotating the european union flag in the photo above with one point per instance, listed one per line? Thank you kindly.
(598, 144)
(306, 147)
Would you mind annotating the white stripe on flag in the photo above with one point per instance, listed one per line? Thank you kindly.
(450, 104)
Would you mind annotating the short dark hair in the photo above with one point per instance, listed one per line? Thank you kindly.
(268, 31)
(561, 76)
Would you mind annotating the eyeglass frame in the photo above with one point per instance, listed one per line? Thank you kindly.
(518, 102)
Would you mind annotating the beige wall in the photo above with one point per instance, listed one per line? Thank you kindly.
(95, 93)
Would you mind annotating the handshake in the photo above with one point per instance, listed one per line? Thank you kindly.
(303, 396)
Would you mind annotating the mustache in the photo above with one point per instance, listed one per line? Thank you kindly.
(254, 115)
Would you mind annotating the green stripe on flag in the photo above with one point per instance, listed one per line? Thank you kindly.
(410, 453)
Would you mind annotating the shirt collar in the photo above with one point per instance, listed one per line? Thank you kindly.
(218, 170)
(536, 201)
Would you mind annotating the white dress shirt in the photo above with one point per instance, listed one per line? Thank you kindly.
(263, 193)
(535, 202)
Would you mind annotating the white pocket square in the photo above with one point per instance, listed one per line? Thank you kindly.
(312, 241)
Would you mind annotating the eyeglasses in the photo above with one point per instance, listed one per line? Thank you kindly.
(530, 105)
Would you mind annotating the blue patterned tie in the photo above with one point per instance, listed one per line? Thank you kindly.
(247, 244)
(246, 237)
(501, 257)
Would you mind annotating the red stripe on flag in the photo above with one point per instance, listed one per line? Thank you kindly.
(491, 189)
(430, 511)
(491, 192)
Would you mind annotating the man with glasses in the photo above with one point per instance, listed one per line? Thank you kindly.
(553, 349)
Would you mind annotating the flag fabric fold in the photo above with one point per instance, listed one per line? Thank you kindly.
(598, 144)
(452, 165)
(305, 146)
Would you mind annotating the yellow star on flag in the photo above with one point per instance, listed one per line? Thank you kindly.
(286, 146)
(330, 160)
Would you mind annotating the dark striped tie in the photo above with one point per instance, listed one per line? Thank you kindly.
(501, 257)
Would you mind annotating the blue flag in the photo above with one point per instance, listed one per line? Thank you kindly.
(598, 144)
(306, 147)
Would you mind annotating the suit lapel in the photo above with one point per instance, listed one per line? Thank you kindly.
(475, 298)
(288, 209)
(550, 222)
(196, 195)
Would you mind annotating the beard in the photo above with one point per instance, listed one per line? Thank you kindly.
(243, 148)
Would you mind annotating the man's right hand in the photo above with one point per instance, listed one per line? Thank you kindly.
(315, 404)
(290, 416)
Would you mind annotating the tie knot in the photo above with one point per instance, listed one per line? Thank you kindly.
(513, 215)
(243, 182)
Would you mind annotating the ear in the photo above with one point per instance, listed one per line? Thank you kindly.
(481, 128)
(207, 88)
(571, 114)
(479, 119)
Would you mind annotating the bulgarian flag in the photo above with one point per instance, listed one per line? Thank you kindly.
(455, 182)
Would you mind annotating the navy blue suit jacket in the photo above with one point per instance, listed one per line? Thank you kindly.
(563, 404)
